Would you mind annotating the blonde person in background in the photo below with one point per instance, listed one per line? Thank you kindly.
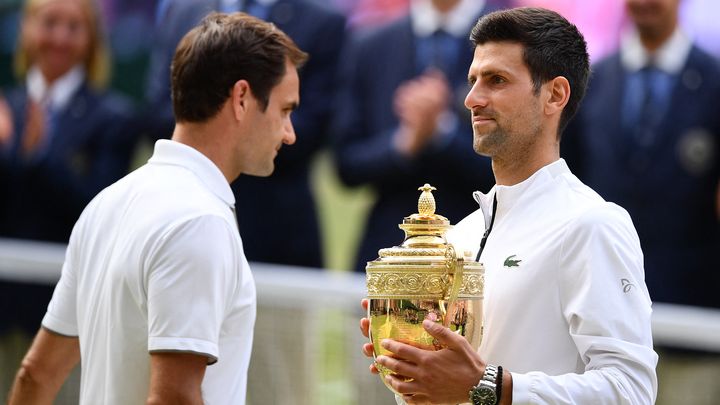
(62, 139)
(65, 138)
(156, 299)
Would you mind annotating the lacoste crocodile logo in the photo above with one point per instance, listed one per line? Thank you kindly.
(510, 262)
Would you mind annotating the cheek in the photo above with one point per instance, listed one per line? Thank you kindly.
(82, 48)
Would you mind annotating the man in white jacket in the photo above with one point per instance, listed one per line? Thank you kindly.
(567, 312)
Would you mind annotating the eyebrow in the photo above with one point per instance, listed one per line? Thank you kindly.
(488, 73)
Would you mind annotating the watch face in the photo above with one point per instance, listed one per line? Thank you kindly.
(483, 396)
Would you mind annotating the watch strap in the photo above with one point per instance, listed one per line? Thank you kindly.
(487, 382)
(498, 385)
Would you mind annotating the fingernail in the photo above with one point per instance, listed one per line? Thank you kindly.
(428, 324)
(384, 343)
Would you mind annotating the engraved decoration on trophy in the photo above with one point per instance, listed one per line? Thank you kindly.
(423, 278)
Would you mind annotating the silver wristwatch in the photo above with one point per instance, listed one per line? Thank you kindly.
(485, 392)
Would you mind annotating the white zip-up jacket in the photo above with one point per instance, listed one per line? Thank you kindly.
(566, 309)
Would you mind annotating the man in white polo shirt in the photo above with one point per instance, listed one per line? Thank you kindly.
(156, 298)
(566, 309)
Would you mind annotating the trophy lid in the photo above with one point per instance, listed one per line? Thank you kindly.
(424, 264)
(426, 210)
(424, 229)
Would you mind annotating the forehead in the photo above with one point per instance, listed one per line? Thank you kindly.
(498, 56)
(55, 6)
(289, 86)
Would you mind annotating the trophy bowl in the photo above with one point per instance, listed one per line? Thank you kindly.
(421, 279)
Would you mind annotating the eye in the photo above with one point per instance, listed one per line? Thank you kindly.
(495, 79)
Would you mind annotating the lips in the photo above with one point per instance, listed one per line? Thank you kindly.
(478, 119)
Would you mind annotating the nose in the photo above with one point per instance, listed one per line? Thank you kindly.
(289, 137)
(475, 98)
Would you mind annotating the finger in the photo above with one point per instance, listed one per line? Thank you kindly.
(403, 387)
(443, 335)
(398, 366)
(365, 326)
(416, 399)
(402, 350)
(435, 73)
(368, 349)
(364, 303)
(373, 369)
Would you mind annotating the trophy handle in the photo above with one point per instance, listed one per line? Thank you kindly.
(456, 267)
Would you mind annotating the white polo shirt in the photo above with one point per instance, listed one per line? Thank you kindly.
(566, 308)
(155, 263)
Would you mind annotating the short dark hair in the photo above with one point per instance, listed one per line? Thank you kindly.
(223, 49)
(552, 47)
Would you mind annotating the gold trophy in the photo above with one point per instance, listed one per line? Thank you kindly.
(423, 278)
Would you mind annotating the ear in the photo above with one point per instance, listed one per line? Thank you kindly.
(240, 97)
(558, 95)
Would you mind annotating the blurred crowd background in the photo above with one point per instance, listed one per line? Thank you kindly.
(85, 93)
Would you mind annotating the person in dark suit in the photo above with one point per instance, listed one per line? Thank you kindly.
(401, 122)
(62, 138)
(67, 137)
(279, 224)
(648, 138)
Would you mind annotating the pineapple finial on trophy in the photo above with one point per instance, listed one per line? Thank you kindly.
(426, 202)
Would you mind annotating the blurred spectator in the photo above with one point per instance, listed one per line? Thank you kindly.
(401, 121)
(129, 26)
(62, 139)
(279, 223)
(602, 22)
(65, 139)
(648, 138)
(599, 21)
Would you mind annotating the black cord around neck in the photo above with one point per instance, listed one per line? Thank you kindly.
(489, 228)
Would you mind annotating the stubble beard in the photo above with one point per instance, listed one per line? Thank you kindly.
(489, 143)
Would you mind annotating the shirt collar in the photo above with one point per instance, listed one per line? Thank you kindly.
(426, 19)
(59, 93)
(669, 58)
(168, 152)
(507, 196)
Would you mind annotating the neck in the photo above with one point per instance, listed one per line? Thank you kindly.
(211, 139)
(518, 168)
(445, 6)
(653, 39)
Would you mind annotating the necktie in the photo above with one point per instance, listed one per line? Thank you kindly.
(444, 51)
(438, 50)
(647, 115)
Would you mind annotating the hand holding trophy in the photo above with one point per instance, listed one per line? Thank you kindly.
(420, 281)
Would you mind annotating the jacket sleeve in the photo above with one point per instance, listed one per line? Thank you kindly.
(607, 308)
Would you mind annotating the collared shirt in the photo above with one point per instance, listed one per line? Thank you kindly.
(155, 263)
(670, 57)
(56, 95)
(650, 78)
(426, 19)
(566, 309)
